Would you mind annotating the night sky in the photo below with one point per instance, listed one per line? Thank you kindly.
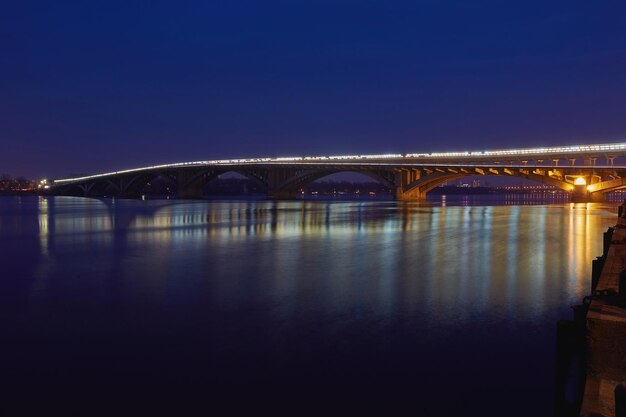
(96, 86)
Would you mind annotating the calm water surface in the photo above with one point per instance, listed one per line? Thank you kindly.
(302, 308)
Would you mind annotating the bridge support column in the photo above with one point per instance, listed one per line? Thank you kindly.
(598, 197)
(581, 195)
(283, 195)
(278, 187)
(581, 189)
(402, 181)
(411, 195)
(129, 195)
(588, 198)
(190, 192)
(189, 186)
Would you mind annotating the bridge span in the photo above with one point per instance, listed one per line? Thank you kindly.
(588, 172)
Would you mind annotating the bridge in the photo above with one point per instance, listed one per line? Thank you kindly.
(587, 172)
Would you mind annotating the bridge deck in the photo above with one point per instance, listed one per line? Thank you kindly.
(606, 332)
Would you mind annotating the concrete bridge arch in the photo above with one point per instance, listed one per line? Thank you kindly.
(417, 189)
(410, 176)
(288, 184)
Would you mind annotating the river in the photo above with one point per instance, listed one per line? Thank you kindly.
(330, 308)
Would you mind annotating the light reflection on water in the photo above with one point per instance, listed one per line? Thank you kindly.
(393, 286)
(484, 256)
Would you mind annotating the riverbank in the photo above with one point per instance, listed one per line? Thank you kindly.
(606, 328)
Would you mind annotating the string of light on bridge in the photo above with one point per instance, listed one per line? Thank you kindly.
(523, 152)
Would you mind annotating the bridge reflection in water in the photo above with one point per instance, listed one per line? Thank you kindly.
(438, 233)
(365, 306)
(588, 172)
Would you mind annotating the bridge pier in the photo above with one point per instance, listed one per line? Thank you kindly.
(283, 195)
(191, 193)
(411, 195)
(589, 198)
(189, 184)
(128, 195)
(582, 195)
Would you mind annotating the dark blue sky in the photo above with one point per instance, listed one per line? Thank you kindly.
(88, 88)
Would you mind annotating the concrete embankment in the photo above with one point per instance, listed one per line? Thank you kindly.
(601, 324)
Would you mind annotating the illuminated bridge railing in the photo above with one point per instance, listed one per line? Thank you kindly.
(609, 151)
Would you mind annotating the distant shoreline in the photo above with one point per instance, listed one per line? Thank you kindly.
(19, 193)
